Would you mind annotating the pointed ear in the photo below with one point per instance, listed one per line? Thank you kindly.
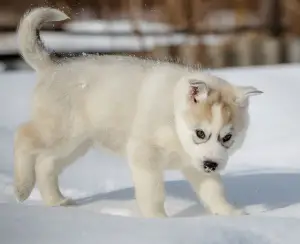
(198, 90)
(244, 92)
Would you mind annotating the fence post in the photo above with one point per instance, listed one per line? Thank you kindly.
(274, 24)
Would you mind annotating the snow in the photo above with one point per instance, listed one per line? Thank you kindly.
(263, 178)
(106, 43)
(82, 36)
(118, 25)
(66, 42)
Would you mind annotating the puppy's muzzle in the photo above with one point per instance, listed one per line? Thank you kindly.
(210, 166)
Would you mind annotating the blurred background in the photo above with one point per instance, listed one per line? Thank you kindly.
(207, 33)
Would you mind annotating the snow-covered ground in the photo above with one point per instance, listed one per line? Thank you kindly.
(263, 178)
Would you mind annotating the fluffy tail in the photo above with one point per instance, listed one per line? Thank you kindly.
(30, 44)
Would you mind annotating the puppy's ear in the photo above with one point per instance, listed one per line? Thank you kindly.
(198, 90)
(244, 92)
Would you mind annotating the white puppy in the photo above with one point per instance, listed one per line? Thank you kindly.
(156, 114)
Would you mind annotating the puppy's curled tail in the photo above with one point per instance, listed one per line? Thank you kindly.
(30, 44)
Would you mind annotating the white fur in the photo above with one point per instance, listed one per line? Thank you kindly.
(130, 106)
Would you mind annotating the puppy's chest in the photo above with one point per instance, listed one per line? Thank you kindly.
(172, 160)
(171, 153)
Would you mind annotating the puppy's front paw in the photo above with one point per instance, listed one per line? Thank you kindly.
(228, 210)
(157, 214)
(236, 212)
(61, 202)
(67, 202)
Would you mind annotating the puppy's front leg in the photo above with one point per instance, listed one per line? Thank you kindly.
(148, 179)
(149, 190)
(209, 189)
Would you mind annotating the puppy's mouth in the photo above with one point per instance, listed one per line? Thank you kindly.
(208, 170)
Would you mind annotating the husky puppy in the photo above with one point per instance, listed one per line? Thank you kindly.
(158, 115)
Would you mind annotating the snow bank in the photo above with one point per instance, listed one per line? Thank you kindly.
(263, 178)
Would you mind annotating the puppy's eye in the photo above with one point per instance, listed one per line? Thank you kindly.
(200, 134)
(227, 138)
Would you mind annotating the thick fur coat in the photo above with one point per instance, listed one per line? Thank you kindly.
(158, 115)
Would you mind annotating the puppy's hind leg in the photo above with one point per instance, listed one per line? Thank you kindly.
(47, 171)
(26, 143)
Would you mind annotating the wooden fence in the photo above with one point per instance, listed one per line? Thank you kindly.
(217, 33)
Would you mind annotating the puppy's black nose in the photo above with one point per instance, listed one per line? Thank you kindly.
(210, 165)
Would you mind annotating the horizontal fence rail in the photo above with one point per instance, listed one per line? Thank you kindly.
(207, 33)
